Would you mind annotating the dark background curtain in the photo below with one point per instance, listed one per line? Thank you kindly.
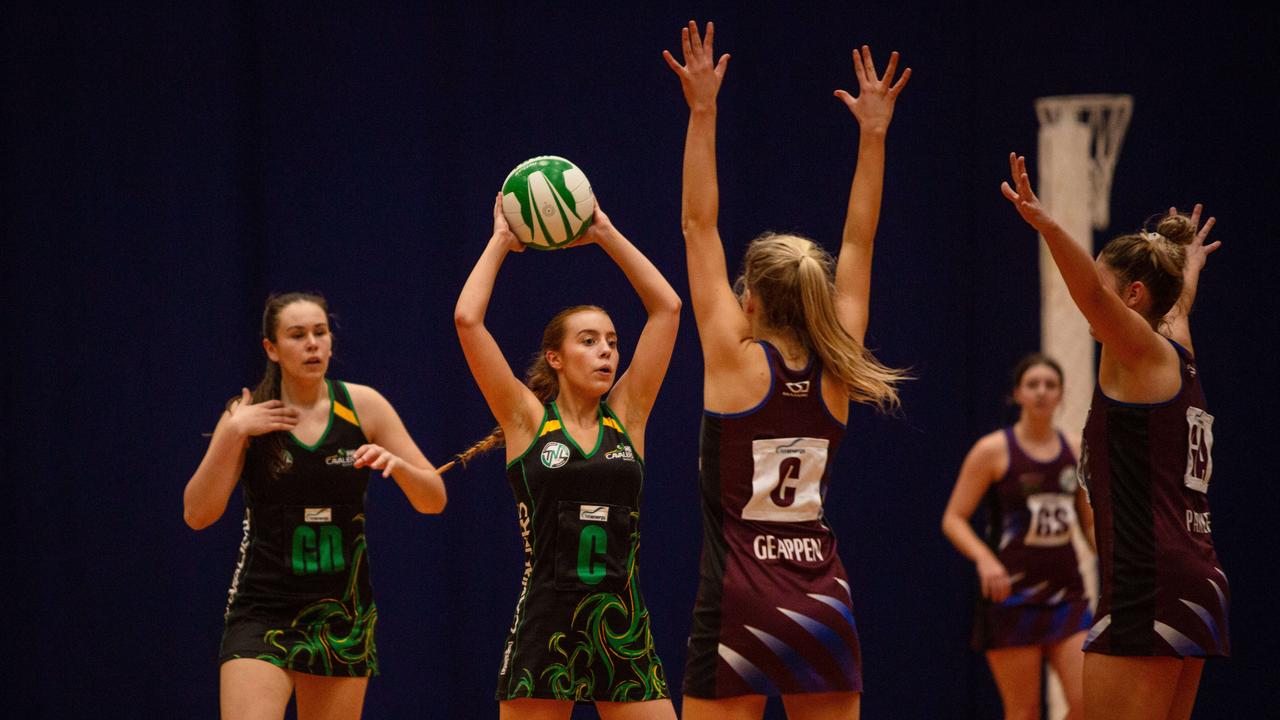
(166, 166)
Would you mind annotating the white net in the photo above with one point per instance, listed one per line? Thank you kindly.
(1080, 139)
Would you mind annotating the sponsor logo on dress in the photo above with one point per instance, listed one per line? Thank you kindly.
(342, 458)
(599, 513)
(554, 454)
(792, 448)
(317, 515)
(622, 452)
(797, 389)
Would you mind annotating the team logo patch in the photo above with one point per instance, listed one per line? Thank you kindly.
(554, 454)
(1067, 480)
(622, 452)
(343, 458)
(599, 513)
(317, 515)
(797, 389)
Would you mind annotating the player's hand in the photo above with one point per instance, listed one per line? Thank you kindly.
(995, 580)
(601, 228)
(701, 74)
(502, 229)
(377, 457)
(1023, 198)
(249, 419)
(1197, 251)
(873, 107)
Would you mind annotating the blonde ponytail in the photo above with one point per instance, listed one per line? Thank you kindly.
(793, 277)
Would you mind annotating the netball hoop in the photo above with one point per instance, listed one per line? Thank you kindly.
(1080, 140)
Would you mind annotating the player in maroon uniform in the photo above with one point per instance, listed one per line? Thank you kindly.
(1033, 607)
(783, 360)
(1146, 464)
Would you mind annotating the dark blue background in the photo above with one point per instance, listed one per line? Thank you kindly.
(166, 167)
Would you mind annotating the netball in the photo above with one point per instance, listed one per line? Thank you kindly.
(548, 202)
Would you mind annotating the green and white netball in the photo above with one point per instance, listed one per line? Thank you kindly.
(547, 202)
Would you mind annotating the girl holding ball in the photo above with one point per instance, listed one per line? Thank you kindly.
(574, 432)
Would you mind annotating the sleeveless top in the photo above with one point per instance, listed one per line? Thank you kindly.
(1030, 519)
(302, 562)
(1147, 469)
(581, 628)
(774, 609)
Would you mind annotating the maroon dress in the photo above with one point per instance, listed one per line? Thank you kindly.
(1030, 518)
(1147, 470)
(774, 613)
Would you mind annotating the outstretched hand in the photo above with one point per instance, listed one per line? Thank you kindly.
(1021, 195)
(701, 75)
(1197, 251)
(502, 229)
(873, 108)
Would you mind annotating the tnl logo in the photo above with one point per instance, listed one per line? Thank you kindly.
(317, 552)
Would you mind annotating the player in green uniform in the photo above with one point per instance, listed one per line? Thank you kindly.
(575, 443)
(300, 613)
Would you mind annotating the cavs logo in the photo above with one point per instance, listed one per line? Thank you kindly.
(342, 458)
(622, 452)
(554, 455)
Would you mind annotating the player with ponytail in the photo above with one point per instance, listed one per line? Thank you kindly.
(784, 358)
(574, 442)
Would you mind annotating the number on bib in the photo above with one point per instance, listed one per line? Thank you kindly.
(1052, 515)
(786, 485)
(1199, 450)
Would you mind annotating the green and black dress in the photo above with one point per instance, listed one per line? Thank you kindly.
(581, 629)
(301, 598)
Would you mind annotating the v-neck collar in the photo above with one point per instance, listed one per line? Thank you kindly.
(565, 429)
(324, 435)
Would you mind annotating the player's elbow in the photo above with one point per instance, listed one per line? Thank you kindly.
(467, 319)
(197, 520)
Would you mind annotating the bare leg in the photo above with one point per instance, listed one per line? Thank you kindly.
(253, 690)
(742, 707)
(1017, 674)
(821, 706)
(1067, 660)
(1184, 697)
(329, 698)
(1131, 688)
(534, 709)
(646, 710)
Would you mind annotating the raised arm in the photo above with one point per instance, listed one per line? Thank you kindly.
(205, 497)
(393, 451)
(985, 462)
(633, 395)
(1120, 329)
(873, 109)
(722, 325)
(514, 406)
(1197, 254)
